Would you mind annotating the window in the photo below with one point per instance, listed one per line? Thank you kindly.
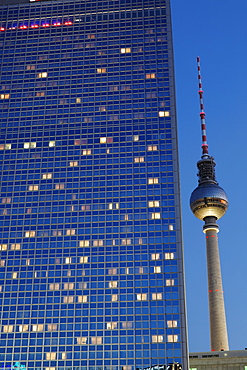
(150, 75)
(141, 297)
(6, 200)
(29, 145)
(172, 323)
(69, 286)
(152, 148)
(5, 146)
(112, 284)
(139, 159)
(164, 114)
(42, 75)
(23, 328)
(114, 297)
(111, 325)
(135, 137)
(84, 259)
(78, 100)
(30, 234)
(15, 247)
(54, 286)
(127, 324)
(30, 67)
(86, 152)
(2, 263)
(51, 356)
(155, 256)
(169, 282)
(91, 36)
(84, 243)
(52, 327)
(8, 328)
(125, 50)
(157, 269)
(153, 180)
(47, 176)
(82, 298)
(157, 338)
(81, 340)
(101, 70)
(59, 186)
(42, 93)
(155, 216)
(68, 299)
(14, 275)
(154, 203)
(33, 187)
(112, 271)
(73, 163)
(3, 247)
(38, 327)
(170, 227)
(4, 96)
(156, 296)
(96, 340)
(104, 140)
(172, 338)
(68, 260)
(70, 232)
(126, 241)
(102, 109)
(169, 256)
(52, 143)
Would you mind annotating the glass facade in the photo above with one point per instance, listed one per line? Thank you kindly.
(91, 266)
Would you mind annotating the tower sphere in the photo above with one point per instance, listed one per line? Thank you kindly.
(208, 200)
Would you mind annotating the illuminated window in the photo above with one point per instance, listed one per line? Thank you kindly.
(52, 143)
(30, 67)
(81, 340)
(155, 216)
(52, 327)
(42, 93)
(101, 70)
(59, 186)
(164, 113)
(5, 146)
(172, 338)
(112, 271)
(170, 227)
(84, 259)
(157, 269)
(4, 96)
(15, 247)
(29, 145)
(102, 109)
(56, 232)
(91, 36)
(73, 163)
(42, 75)
(126, 241)
(169, 282)
(112, 284)
(98, 243)
(33, 187)
(139, 159)
(23, 328)
(64, 356)
(155, 256)
(38, 327)
(85, 208)
(96, 340)
(84, 243)
(156, 296)
(127, 324)
(125, 50)
(150, 75)
(3, 247)
(51, 356)
(69, 286)
(2, 263)
(70, 232)
(111, 325)
(30, 234)
(6, 200)
(8, 328)
(172, 323)
(153, 180)
(141, 297)
(82, 298)
(169, 256)
(14, 275)
(78, 100)
(28, 262)
(114, 297)
(68, 299)
(135, 137)
(141, 271)
(157, 338)
(154, 203)
(104, 140)
(68, 260)
(152, 148)
(86, 152)
(54, 286)
(47, 176)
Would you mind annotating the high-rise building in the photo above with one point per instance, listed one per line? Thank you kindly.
(91, 268)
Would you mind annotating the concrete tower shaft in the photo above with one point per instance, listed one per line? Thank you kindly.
(218, 328)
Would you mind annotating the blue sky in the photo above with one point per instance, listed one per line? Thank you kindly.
(217, 32)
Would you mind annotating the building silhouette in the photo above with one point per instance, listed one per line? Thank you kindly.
(91, 268)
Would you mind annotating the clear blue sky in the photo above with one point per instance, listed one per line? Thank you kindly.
(215, 30)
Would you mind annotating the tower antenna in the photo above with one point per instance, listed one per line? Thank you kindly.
(202, 113)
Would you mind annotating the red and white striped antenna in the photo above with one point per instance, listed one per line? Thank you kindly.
(202, 113)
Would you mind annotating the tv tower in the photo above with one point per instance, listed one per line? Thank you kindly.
(209, 202)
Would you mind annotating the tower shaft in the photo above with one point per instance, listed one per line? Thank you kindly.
(218, 329)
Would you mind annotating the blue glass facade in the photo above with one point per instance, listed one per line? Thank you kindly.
(91, 266)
